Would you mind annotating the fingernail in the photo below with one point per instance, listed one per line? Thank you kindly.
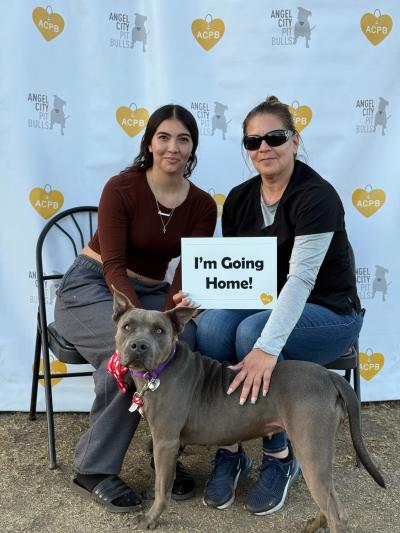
(229, 391)
(253, 400)
(264, 393)
(241, 401)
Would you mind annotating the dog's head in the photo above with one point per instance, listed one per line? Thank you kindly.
(140, 20)
(303, 14)
(219, 108)
(144, 339)
(58, 102)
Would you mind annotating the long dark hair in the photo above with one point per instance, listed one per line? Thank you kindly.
(144, 160)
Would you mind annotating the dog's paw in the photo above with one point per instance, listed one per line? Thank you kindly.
(144, 522)
(316, 525)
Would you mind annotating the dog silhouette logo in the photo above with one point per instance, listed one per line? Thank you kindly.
(379, 283)
(381, 116)
(218, 120)
(57, 115)
(302, 26)
(139, 32)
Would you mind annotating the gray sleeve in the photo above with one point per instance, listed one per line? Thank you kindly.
(306, 259)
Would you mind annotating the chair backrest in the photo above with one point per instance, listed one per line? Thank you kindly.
(59, 243)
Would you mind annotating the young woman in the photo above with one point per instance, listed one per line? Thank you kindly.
(318, 314)
(143, 213)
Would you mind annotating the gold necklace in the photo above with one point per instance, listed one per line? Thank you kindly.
(159, 212)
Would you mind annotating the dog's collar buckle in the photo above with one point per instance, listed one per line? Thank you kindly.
(153, 384)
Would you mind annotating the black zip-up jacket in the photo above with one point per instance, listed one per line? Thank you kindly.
(309, 205)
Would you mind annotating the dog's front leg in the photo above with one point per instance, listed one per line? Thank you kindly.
(165, 456)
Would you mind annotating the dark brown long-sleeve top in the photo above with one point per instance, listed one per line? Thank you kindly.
(130, 234)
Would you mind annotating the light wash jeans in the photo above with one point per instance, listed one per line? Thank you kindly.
(320, 336)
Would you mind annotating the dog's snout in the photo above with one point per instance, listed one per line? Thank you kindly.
(140, 346)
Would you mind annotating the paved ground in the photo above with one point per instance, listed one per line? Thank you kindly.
(35, 499)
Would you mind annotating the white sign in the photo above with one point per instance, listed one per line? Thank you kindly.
(230, 272)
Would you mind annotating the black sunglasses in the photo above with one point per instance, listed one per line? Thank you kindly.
(273, 138)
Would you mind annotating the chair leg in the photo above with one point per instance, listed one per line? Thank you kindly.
(49, 406)
(35, 375)
(347, 375)
(356, 381)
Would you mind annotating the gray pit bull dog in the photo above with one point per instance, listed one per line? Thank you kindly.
(191, 406)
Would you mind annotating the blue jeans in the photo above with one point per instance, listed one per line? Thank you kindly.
(320, 336)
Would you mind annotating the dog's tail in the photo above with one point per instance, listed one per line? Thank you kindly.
(353, 409)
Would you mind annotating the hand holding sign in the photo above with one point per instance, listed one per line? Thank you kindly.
(181, 300)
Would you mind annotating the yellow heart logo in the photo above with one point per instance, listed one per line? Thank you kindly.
(49, 24)
(376, 27)
(219, 199)
(266, 298)
(370, 363)
(208, 31)
(56, 367)
(302, 115)
(367, 201)
(46, 201)
(131, 120)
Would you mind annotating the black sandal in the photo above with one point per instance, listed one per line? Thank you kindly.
(107, 491)
(184, 484)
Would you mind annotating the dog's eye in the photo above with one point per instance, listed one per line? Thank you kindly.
(159, 331)
(127, 327)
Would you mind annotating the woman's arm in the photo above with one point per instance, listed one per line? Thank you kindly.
(113, 223)
(206, 219)
(306, 259)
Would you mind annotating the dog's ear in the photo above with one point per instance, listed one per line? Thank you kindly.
(179, 317)
(121, 304)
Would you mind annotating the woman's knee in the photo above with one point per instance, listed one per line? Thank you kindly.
(216, 332)
(248, 331)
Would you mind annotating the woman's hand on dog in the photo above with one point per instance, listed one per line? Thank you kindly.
(255, 373)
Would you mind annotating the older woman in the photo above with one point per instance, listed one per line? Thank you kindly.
(143, 213)
(318, 314)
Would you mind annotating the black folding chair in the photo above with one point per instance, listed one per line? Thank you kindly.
(64, 235)
(349, 362)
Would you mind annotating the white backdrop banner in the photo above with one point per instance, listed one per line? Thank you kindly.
(80, 78)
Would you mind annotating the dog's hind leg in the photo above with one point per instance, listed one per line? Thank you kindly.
(165, 456)
(313, 445)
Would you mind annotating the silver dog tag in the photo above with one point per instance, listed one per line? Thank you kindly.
(154, 384)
